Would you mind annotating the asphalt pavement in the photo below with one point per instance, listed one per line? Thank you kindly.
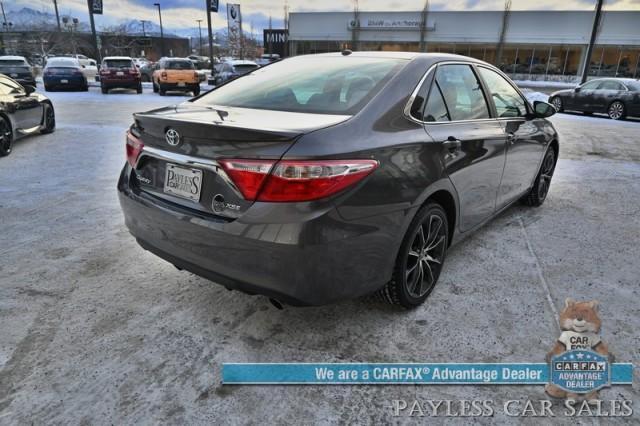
(94, 330)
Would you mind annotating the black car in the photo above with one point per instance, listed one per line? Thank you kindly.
(17, 68)
(332, 176)
(22, 112)
(146, 71)
(616, 97)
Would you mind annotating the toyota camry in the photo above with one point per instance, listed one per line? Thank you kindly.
(332, 176)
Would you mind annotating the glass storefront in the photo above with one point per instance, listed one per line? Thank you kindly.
(614, 61)
(515, 59)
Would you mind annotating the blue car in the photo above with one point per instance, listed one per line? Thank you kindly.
(64, 73)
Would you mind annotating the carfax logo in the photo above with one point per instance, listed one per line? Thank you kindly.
(579, 361)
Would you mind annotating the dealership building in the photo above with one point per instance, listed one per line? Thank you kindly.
(536, 44)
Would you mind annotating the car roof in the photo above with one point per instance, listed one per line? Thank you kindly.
(174, 59)
(432, 57)
(122, 58)
(13, 57)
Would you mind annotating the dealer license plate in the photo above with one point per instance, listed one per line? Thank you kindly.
(182, 182)
(63, 81)
(181, 84)
(14, 75)
(119, 73)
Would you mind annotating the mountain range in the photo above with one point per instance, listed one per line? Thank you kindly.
(27, 18)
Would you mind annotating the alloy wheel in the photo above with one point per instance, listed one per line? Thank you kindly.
(6, 138)
(546, 173)
(557, 103)
(425, 257)
(50, 119)
(616, 110)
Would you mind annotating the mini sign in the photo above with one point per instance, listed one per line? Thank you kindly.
(213, 5)
(95, 6)
(580, 371)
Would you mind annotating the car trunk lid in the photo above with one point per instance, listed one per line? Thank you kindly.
(200, 136)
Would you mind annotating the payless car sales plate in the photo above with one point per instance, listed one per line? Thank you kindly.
(183, 182)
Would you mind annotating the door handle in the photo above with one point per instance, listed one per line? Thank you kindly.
(452, 144)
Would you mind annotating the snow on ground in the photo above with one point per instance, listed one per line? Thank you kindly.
(546, 84)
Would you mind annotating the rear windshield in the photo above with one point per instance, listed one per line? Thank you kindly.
(322, 85)
(118, 63)
(65, 63)
(242, 69)
(178, 65)
(12, 63)
(633, 85)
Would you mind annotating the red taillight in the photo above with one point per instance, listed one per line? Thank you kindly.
(134, 148)
(295, 180)
(248, 175)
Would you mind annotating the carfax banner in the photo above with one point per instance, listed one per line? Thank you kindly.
(577, 374)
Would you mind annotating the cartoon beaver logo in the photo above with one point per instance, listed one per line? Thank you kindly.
(580, 326)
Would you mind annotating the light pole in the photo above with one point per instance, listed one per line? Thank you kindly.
(199, 21)
(594, 33)
(55, 5)
(161, 31)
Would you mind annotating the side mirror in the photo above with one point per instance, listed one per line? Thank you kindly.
(28, 89)
(543, 109)
(577, 89)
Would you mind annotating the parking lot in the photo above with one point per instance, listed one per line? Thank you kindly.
(96, 330)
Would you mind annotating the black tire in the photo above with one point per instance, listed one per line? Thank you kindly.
(84, 88)
(139, 88)
(49, 120)
(162, 91)
(420, 259)
(155, 88)
(104, 90)
(196, 91)
(617, 110)
(538, 193)
(6, 137)
(145, 78)
(48, 88)
(556, 101)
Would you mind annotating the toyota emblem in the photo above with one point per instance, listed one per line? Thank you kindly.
(172, 136)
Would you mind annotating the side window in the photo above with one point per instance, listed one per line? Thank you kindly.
(611, 85)
(417, 107)
(8, 86)
(436, 110)
(462, 92)
(508, 101)
(5, 89)
(591, 85)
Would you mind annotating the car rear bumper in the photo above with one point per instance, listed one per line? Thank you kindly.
(124, 84)
(76, 81)
(177, 87)
(309, 258)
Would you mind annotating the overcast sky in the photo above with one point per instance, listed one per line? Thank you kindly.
(181, 14)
